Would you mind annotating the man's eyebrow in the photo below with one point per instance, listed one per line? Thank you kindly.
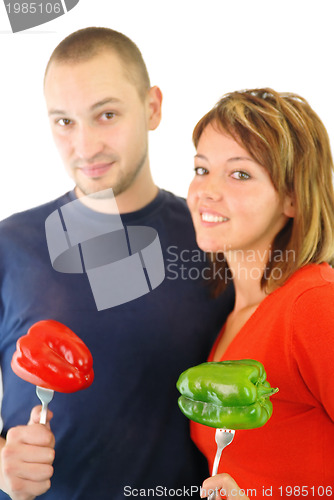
(52, 112)
(96, 105)
(107, 100)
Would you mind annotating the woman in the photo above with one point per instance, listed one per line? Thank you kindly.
(263, 197)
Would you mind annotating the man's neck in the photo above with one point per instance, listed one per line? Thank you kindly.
(131, 200)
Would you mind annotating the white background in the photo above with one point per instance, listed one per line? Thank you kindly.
(195, 50)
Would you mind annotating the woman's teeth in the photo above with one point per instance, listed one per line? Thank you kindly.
(213, 218)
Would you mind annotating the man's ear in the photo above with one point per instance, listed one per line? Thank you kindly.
(154, 107)
(289, 207)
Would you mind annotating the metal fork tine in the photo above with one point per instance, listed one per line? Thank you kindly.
(45, 396)
(223, 438)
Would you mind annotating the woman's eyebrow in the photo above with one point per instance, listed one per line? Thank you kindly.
(241, 158)
(201, 157)
(232, 159)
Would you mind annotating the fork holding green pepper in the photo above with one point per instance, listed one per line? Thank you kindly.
(227, 394)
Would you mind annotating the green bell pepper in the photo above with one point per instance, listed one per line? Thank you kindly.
(227, 394)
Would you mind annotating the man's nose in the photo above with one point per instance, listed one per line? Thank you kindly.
(88, 142)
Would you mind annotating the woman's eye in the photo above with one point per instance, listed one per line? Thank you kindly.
(201, 171)
(240, 175)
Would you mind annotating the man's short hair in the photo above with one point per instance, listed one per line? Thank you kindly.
(86, 43)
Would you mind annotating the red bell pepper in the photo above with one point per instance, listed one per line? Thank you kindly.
(52, 356)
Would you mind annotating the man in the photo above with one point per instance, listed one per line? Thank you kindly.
(124, 435)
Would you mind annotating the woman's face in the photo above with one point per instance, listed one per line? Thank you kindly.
(232, 200)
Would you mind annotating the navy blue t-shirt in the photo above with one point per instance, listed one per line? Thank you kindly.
(124, 435)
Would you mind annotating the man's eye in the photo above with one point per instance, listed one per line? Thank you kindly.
(109, 115)
(63, 122)
(240, 175)
(201, 171)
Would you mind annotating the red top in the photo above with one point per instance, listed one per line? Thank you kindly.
(292, 334)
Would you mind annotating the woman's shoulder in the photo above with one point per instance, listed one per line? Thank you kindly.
(311, 277)
(310, 292)
(309, 288)
(311, 316)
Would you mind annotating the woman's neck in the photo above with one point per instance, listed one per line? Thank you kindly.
(247, 274)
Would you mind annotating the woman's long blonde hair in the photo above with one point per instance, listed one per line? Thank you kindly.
(283, 134)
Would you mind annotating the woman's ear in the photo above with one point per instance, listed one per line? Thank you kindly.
(289, 207)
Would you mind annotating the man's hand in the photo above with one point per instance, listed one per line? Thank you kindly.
(27, 457)
(225, 487)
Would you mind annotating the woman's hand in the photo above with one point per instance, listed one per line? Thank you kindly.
(225, 486)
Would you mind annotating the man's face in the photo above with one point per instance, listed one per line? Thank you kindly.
(100, 123)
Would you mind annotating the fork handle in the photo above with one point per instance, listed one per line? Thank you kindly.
(212, 496)
(216, 461)
(44, 412)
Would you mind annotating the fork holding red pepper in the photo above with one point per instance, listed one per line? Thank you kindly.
(50, 355)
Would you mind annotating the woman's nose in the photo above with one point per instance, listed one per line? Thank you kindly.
(211, 189)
